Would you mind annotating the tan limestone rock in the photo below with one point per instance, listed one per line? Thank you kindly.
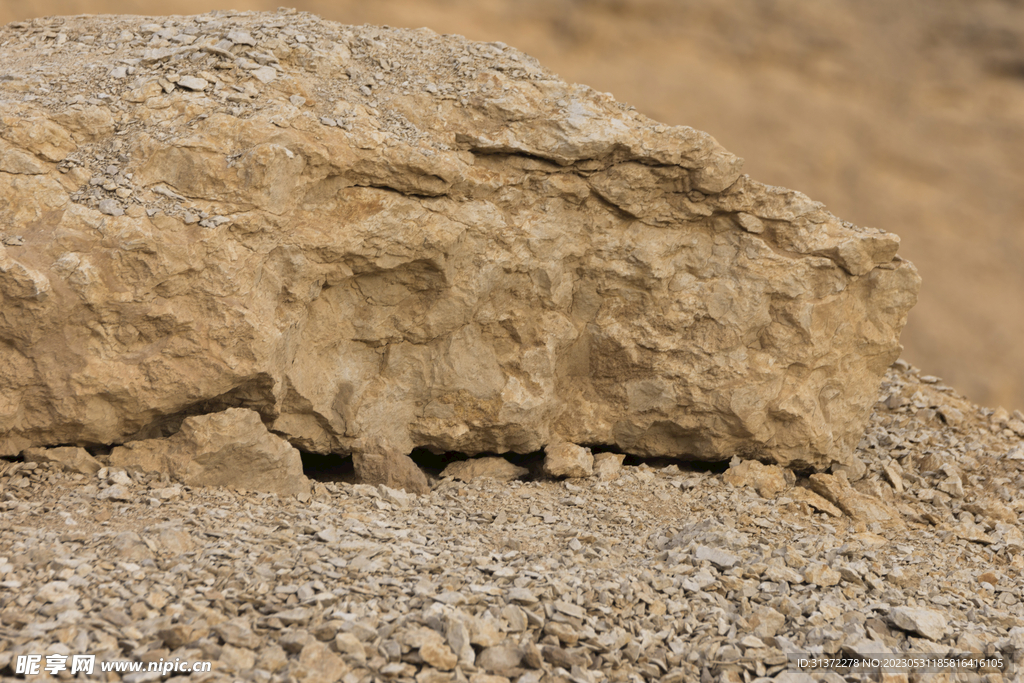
(568, 460)
(174, 541)
(822, 575)
(230, 448)
(317, 664)
(375, 268)
(927, 622)
(131, 547)
(393, 470)
(812, 499)
(490, 467)
(766, 622)
(995, 510)
(608, 465)
(769, 480)
(69, 457)
(860, 507)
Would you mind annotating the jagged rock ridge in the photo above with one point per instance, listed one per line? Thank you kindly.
(380, 239)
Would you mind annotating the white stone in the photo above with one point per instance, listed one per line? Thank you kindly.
(927, 622)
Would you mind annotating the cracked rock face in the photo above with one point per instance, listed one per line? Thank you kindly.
(380, 239)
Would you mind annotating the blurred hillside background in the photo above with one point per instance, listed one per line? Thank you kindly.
(908, 116)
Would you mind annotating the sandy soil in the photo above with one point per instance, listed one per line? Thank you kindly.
(906, 116)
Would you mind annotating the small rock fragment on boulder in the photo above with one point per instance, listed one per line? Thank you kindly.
(71, 458)
(489, 467)
(110, 207)
(568, 460)
(231, 448)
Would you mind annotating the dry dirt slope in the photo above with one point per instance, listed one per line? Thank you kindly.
(906, 116)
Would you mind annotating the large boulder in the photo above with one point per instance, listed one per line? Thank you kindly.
(380, 239)
(231, 448)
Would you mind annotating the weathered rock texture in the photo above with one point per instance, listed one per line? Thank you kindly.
(230, 448)
(489, 467)
(70, 458)
(381, 239)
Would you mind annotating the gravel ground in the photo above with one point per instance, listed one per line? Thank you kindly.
(665, 573)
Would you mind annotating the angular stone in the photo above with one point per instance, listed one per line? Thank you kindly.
(55, 591)
(484, 632)
(515, 617)
(317, 664)
(178, 635)
(499, 658)
(457, 636)
(396, 471)
(396, 497)
(173, 542)
(439, 655)
(230, 448)
(110, 207)
(523, 596)
(821, 575)
(193, 83)
(926, 622)
(765, 622)
(720, 558)
(237, 659)
(768, 480)
(236, 632)
(488, 678)
(812, 499)
(994, 510)
(779, 573)
(600, 279)
(490, 467)
(130, 547)
(272, 658)
(564, 632)
(265, 74)
(860, 507)
(607, 466)
(115, 492)
(569, 608)
(566, 659)
(568, 460)
(240, 37)
(70, 458)
(297, 615)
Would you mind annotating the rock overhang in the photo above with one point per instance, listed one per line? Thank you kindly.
(383, 239)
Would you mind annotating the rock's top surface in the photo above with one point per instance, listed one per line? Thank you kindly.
(380, 239)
